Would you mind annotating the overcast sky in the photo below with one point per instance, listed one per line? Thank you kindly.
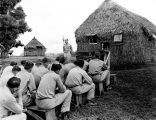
(51, 20)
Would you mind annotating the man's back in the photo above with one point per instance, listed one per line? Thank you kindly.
(47, 86)
(65, 70)
(26, 79)
(6, 70)
(4, 79)
(77, 76)
(95, 66)
(42, 70)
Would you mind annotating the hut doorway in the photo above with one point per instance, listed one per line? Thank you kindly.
(104, 50)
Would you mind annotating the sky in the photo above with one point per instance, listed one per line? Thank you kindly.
(51, 20)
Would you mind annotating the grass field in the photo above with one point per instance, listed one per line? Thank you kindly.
(130, 98)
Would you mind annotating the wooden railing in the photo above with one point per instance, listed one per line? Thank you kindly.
(107, 58)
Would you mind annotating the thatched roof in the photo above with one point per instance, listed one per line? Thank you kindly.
(34, 43)
(111, 18)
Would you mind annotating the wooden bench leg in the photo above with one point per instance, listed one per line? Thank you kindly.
(101, 87)
(78, 100)
(50, 115)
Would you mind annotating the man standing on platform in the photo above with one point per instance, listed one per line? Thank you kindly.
(67, 49)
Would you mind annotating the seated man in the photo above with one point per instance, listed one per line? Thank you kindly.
(27, 85)
(46, 97)
(8, 69)
(65, 70)
(4, 79)
(99, 72)
(60, 60)
(79, 82)
(43, 68)
(22, 64)
(11, 101)
(36, 72)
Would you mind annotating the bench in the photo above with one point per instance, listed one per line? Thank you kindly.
(78, 100)
(33, 110)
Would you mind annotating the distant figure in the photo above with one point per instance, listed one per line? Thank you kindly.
(67, 49)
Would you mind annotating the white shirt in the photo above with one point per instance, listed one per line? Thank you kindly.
(95, 66)
(42, 70)
(4, 79)
(48, 85)
(76, 77)
(36, 73)
(7, 70)
(65, 70)
(8, 103)
(22, 67)
(27, 80)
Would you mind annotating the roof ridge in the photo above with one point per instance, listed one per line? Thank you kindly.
(34, 40)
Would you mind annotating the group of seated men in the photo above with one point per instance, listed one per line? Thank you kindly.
(48, 84)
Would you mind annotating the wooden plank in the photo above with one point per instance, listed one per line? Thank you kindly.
(34, 115)
(36, 108)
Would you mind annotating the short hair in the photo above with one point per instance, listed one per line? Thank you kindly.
(57, 58)
(38, 62)
(62, 59)
(79, 63)
(12, 63)
(28, 65)
(56, 67)
(23, 62)
(97, 55)
(14, 82)
(16, 68)
(46, 60)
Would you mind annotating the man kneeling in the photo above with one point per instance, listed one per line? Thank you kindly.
(11, 101)
(46, 97)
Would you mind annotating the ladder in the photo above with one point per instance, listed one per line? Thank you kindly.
(107, 62)
(107, 58)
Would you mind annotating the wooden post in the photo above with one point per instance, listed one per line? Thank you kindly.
(109, 60)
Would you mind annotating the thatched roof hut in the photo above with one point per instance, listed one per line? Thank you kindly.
(34, 48)
(129, 37)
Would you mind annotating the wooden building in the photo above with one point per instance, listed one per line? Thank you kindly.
(129, 37)
(34, 48)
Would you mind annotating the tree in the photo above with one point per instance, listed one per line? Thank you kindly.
(12, 24)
